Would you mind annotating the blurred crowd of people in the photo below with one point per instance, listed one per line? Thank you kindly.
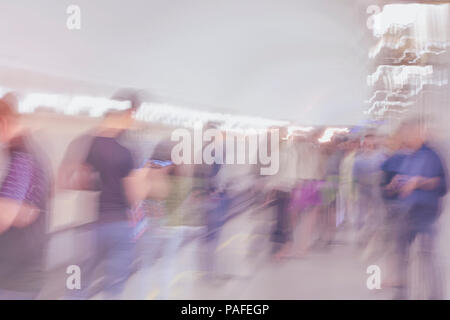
(385, 192)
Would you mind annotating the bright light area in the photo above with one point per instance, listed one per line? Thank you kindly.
(293, 129)
(399, 16)
(400, 75)
(330, 132)
(148, 112)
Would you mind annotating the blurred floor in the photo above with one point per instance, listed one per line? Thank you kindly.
(337, 272)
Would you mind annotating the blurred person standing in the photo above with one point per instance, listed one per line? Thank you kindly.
(367, 176)
(122, 187)
(306, 197)
(25, 194)
(420, 185)
(210, 187)
(347, 191)
(334, 153)
(280, 186)
(395, 212)
(177, 223)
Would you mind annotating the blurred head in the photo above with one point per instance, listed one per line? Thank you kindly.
(123, 119)
(412, 133)
(133, 96)
(8, 119)
(354, 143)
(349, 145)
(341, 141)
(12, 98)
(119, 120)
(394, 141)
(369, 142)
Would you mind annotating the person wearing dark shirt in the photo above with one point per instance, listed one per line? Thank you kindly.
(113, 162)
(425, 185)
(391, 168)
(419, 185)
(24, 197)
(120, 192)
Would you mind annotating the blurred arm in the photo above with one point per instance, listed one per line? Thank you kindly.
(76, 177)
(9, 211)
(428, 183)
(15, 214)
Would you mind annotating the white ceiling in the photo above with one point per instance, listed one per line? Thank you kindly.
(304, 61)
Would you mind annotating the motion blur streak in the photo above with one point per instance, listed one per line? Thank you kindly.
(350, 100)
